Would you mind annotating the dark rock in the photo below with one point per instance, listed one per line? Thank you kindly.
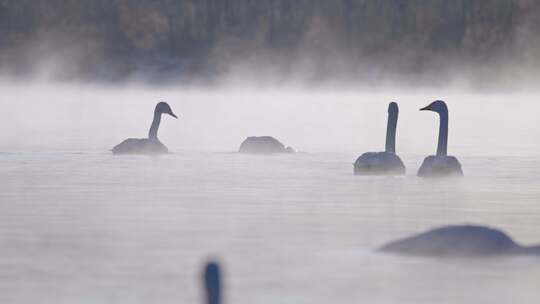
(263, 145)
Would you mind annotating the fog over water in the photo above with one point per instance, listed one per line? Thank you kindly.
(87, 117)
(79, 225)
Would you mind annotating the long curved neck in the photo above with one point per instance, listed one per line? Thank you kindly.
(152, 134)
(442, 147)
(391, 132)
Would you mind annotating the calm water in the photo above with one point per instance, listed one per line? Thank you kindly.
(290, 229)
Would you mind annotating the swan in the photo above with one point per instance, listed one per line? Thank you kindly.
(263, 145)
(460, 241)
(441, 164)
(387, 162)
(150, 145)
(212, 283)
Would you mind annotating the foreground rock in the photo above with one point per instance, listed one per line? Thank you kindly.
(460, 241)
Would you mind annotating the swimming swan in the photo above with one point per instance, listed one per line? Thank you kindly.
(387, 162)
(441, 164)
(263, 145)
(460, 241)
(212, 283)
(150, 145)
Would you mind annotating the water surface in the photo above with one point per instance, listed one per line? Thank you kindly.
(89, 227)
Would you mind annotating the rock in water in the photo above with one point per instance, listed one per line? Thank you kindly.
(459, 241)
(263, 145)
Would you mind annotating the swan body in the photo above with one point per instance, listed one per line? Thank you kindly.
(263, 145)
(150, 145)
(459, 241)
(387, 162)
(212, 283)
(379, 163)
(140, 146)
(440, 165)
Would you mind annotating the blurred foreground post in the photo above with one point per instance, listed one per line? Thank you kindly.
(212, 280)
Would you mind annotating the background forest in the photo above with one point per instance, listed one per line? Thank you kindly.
(160, 40)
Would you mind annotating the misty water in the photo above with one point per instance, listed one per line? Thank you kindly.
(79, 225)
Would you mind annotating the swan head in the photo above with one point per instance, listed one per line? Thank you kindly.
(164, 108)
(393, 108)
(438, 106)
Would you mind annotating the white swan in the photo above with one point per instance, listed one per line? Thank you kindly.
(460, 241)
(150, 145)
(212, 283)
(387, 162)
(441, 164)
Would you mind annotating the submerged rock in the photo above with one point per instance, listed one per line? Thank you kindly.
(263, 145)
(290, 150)
(459, 241)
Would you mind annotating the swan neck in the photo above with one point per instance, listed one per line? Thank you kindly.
(391, 132)
(152, 134)
(442, 147)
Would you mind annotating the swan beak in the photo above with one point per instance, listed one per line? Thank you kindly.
(425, 108)
(172, 114)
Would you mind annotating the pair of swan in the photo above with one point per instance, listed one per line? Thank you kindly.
(389, 163)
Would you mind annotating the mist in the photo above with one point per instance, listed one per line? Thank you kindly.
(103, 227)
(79, 223)
(78, 117)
